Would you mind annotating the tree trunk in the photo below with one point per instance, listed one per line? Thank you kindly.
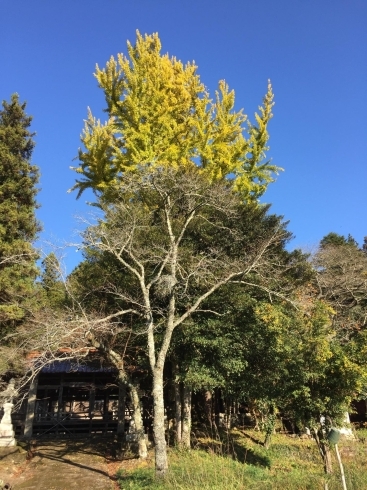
(121, 408)
(228, 413)
(327, 458)
(178, 412)
(186, 419)
(270, 421)
(209, 407)
(215, 411)
(267, 440)
(161, 460)
(324, 451)
(254, 414)
(138, 421)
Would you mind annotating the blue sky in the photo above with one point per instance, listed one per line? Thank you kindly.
(314, 52)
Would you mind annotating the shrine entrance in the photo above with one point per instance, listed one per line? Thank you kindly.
(72, 400)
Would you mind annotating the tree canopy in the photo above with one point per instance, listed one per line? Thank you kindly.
(186, 277)
(161, 115)
(178, 176)
(18, 224)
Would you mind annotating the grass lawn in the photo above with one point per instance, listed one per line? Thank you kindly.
(241, 462)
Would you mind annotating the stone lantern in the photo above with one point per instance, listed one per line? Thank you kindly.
(7, 434)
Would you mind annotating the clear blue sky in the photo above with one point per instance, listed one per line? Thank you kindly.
(314, 52)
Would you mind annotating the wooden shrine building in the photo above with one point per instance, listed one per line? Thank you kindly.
(69, 398)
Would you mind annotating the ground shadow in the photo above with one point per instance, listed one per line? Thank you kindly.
(72, 463)
(63, 450)
(248, 436)
(249, 456)
(11, 453)
(227, 444)
(106, 447)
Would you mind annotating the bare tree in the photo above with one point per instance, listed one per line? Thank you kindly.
(342, 282)
(180, 239)
(73, 333)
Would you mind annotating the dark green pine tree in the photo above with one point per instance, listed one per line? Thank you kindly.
(18, 224)
(50, 275)
(335, 240)
(51, 281)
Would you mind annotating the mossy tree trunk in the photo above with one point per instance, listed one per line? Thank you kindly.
(324, 450)
(186, 418)
(138, 422)
(161, 460)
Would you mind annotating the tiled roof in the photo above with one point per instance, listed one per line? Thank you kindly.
(68, 366)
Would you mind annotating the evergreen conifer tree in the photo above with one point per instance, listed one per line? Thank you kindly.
(18, 224)
(51, 281)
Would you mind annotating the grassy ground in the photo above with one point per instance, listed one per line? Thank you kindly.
(241, 462)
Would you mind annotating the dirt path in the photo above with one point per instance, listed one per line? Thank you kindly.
(62, 465)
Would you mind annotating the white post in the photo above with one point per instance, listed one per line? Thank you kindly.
(341, 467)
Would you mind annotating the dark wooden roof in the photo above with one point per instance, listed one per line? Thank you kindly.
(68, 366)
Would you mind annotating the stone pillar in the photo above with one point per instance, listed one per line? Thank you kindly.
(6, 427)
(346, 430)
(28, 428)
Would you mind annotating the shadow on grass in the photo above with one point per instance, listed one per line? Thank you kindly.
(249, 456)
(251, 438)
(228, 445)
(139, 479)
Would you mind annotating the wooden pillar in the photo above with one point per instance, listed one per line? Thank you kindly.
(92, 395)
(59, 401)
(105, 410)
(31, 405)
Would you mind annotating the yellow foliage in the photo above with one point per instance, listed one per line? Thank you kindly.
(161, 115)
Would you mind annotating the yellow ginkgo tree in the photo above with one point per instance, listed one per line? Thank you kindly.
(177, 175)
(161, 115)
